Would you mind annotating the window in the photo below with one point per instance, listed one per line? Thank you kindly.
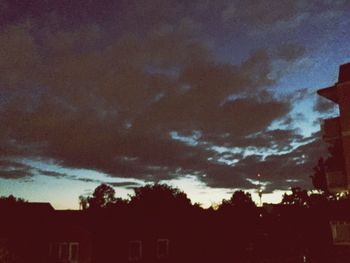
(162, 248)
(73, 252)
(4, 250)
(135, 250)
(340, 232)
(64, 251)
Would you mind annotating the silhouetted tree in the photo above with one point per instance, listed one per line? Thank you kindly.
(320, 200)
(83, 202)
(10, 200)
(319, 179)
(239, 199)
(159, 196)
(297, 197)
(103, 196)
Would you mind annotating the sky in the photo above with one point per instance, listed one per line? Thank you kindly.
(201, 95)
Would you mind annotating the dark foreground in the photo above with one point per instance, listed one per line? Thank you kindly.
(35, 232)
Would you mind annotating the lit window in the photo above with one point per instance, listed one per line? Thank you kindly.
(162, 248)
(135, 250)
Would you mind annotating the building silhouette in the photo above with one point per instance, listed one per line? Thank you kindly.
(336, 132)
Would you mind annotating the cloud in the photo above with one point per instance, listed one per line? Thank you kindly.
(229, 12)
(14, 170)
(19, 57)
(290, 52)
(278, 139)
(271, 12)
(267, 12)
(108, 95)
(51, 173)
(278, 169)
(101, 105)
(128, 185)
(323, 105)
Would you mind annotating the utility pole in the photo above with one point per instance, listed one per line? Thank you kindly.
(259, 189)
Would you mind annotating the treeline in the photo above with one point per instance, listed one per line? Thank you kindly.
(295, 230)
(164, 196)
(159, 196)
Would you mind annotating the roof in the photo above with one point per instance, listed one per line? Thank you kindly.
(331, 92)
(38, 206)
(26, 208)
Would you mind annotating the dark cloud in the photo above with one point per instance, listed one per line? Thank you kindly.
(279, 169)
(14, 174)
(291, 52)
(14, 170)
(128, 185)
(103, 84)
(302, 94)
(110, 109)
(85, 180)
(282, 14)
(267, 139)
(278, 139)
(323, 105)
(19, 57)
(51, 173)
(263, 13)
